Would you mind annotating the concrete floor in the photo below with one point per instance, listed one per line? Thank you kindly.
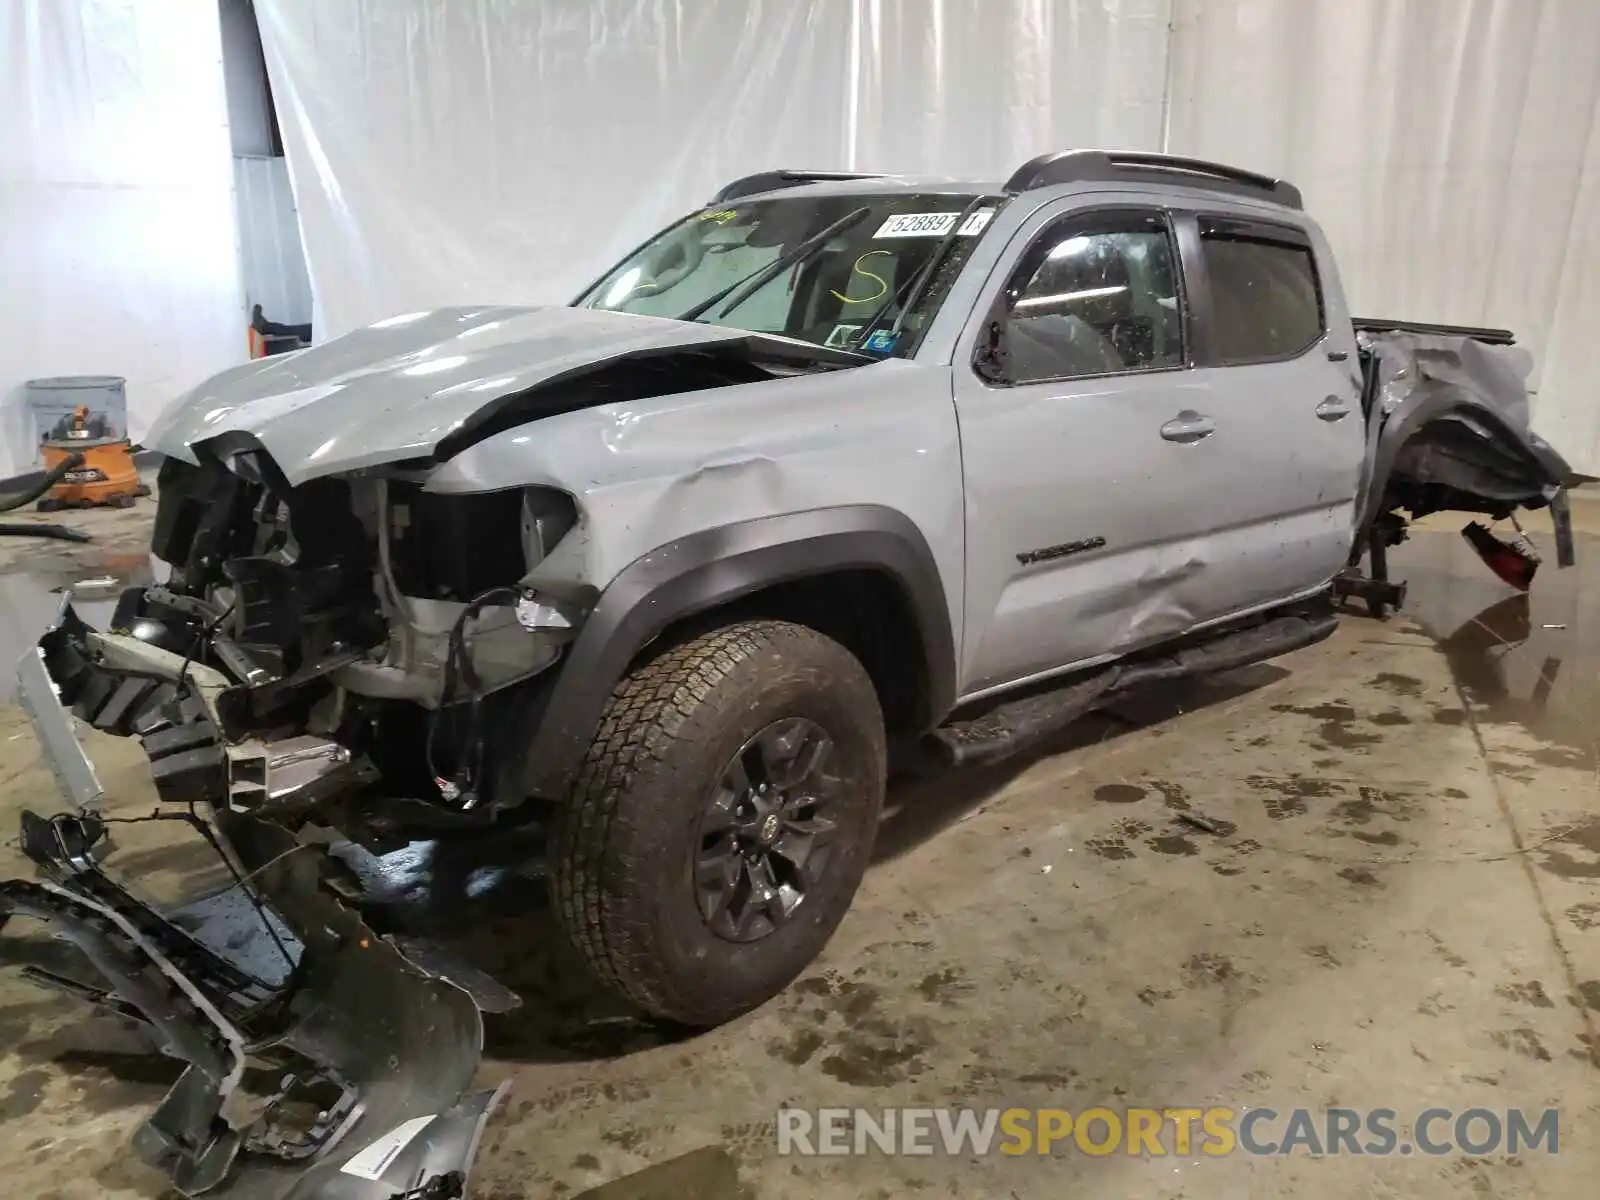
(1400, 909)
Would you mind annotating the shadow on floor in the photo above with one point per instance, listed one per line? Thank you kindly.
(485, 896)
(1526, 659)
(920, 806)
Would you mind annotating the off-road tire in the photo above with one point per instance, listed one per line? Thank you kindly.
(623, 847)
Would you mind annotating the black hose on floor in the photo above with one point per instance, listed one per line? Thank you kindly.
(60, 533)
(51, 477)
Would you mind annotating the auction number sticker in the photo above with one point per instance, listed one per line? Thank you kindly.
(932, 224)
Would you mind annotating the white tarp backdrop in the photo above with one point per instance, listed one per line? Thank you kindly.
(1451, 151)
(117, 252)
(446, 152)
(506, 150)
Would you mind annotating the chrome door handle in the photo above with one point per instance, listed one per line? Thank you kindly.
(1333, 409)
(1188, 426)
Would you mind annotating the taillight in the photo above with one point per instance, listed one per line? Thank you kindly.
(1515, 562)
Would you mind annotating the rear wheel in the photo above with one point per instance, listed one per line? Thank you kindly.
(722, 820)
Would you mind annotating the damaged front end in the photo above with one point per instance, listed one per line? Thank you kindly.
(349, 633)
(318, 654)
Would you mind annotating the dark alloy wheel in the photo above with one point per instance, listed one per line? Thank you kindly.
(766, 834)
(722, 820)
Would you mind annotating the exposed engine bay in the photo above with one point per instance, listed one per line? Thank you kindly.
(353, 631)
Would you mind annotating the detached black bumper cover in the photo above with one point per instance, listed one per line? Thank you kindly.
(376, 1055)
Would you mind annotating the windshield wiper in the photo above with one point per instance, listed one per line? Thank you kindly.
(757, 280)
(920, 280)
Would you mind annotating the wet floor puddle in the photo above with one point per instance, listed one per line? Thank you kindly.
(1528, 660)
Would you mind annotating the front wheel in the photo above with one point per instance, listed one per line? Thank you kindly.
(722, 820)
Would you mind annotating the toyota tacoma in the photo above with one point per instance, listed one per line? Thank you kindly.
(836, 463)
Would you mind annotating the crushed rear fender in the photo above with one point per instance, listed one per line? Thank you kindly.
(1449, 428)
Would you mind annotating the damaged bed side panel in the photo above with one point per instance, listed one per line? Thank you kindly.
(1450, 428)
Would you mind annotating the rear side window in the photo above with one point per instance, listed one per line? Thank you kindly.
(1266, 301)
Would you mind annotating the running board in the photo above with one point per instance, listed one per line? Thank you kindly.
(1013, 726)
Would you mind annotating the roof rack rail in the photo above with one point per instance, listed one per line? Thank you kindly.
(771, 181)
(1117, 166)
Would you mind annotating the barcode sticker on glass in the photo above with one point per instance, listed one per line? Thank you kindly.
(932, 224)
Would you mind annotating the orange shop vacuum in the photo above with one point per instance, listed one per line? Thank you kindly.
(106, 476)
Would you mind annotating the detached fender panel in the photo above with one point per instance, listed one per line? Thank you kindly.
(704, 570)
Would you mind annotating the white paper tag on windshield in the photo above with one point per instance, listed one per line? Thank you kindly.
(372, 1160)
(932, 224)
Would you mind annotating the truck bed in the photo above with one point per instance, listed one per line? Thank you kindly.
(1493, 337)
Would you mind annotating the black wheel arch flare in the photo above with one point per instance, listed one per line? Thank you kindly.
(711, 568)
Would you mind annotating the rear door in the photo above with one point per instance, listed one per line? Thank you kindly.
(1274, 343)
(1091, 448)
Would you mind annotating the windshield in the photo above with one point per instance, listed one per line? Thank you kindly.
(836, 270)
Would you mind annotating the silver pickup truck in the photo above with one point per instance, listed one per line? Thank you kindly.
(832, 464)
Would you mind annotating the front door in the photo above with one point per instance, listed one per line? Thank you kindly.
(1092, 451)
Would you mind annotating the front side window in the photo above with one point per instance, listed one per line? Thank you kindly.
(1094, 295)
(838, 270)
(1266, 304)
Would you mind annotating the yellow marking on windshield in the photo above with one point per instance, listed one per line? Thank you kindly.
(721, 216)
(858, 269)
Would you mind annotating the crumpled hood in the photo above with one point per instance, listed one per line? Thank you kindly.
(395, 389)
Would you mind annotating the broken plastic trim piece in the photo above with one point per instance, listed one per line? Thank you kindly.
(187, 1135)
(74, 773)
(399, 1043)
